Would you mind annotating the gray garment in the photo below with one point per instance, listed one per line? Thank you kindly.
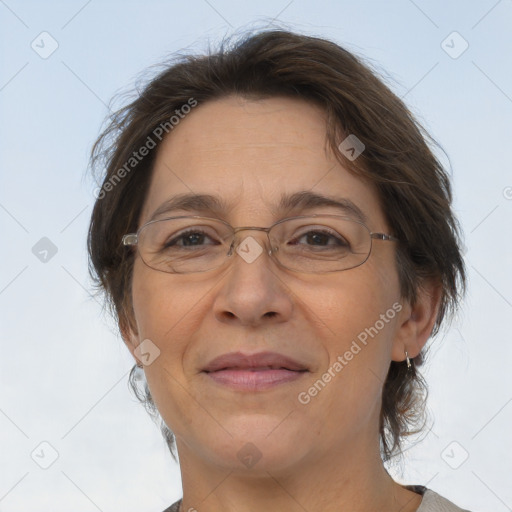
(431, 502)
(175, 507)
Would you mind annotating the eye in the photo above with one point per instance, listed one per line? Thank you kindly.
(190, 238)
(320, 238)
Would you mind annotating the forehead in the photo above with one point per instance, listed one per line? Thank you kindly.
(250, 153)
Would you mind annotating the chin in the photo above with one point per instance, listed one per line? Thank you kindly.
(253, 446)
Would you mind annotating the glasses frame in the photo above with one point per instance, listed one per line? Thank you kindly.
(132, 239)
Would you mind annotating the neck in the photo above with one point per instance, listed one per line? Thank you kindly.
(353, 480)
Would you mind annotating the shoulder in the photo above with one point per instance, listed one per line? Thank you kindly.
(433, 502)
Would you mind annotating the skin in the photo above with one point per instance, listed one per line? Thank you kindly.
(323, 456)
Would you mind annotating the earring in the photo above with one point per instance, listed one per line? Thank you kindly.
(408, 360)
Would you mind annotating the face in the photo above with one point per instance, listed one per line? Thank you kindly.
(250, 153)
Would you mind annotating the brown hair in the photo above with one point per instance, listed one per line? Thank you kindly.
(414, 189)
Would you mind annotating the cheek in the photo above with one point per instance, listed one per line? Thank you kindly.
(162, 306)
(357, 319)
(165, 314)
(350, 302)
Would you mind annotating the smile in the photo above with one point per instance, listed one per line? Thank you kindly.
(254, 379)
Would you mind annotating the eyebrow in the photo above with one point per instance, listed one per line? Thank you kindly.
(306, 200)
(199, 203)
(301, 201)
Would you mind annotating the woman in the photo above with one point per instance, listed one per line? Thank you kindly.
(276, 240)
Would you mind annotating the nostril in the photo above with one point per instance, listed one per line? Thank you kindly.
(270, 314)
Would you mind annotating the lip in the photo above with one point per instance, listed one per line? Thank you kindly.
(256, 372)
(259, 361)
(254, 380)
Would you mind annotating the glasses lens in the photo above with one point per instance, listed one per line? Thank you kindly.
(321, 243)
(184, 245)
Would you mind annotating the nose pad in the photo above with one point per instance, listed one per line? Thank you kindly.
(231, 247)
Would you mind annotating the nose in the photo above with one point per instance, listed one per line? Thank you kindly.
(253, 291)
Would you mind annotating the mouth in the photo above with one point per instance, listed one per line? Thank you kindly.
(254, 379)
(254, 372)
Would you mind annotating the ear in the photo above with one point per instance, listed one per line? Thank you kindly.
(416, 322)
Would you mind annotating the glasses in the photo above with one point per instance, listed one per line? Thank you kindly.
(307, 244)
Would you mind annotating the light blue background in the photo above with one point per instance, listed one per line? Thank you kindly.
(63, 367)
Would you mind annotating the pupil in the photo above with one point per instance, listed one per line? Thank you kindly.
(318, 238)
(193, 238)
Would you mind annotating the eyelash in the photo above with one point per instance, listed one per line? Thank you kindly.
(182, 236)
